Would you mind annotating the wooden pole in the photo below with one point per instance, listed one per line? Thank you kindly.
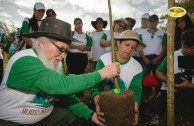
(170, 68)
(116, 83)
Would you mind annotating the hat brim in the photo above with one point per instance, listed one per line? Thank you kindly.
(49, 35)
(140, 45)
(94, 24)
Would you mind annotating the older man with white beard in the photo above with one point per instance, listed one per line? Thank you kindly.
(34, 76)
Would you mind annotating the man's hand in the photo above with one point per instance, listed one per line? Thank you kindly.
(110, 71)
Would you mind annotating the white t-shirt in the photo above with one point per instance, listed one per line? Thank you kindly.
(82, 41)
(176, 68)
(153, 42)
(139, 30)
(108, 49)
(97, 50)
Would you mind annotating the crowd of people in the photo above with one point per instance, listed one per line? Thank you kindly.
(34, 82)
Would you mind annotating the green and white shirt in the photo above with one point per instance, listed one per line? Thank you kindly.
(130, 77)
(27, 29)
(139, 30)
(177, 69)
(154, 41)
(163, 68)
(107, 36)
(83, 40)
(28, 86)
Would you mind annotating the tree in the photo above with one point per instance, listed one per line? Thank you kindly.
(10, 34)
(188, 5)
(163, 22)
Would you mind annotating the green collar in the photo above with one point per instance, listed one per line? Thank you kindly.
(122, 63)
(35, 51)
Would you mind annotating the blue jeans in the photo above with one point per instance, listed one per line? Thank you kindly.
(150, 67)
(147, 90)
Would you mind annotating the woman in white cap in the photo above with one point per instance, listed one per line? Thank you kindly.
(32, 24)
(119, 26)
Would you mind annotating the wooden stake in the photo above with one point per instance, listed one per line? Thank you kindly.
(170, 68)
(116, 83)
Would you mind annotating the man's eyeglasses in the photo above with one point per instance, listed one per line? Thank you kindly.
(61, 49)
(152, 36)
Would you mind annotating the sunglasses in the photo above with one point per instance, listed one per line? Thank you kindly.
(61, 49)
(152, 36)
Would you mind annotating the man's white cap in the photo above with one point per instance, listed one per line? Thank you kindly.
(39, 6)
(145, 15)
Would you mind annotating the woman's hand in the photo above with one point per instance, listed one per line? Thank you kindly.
(96, 120)
(81, 48)
(136, 114)
(100, 114)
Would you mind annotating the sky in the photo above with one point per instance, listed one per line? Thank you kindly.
(14, 11)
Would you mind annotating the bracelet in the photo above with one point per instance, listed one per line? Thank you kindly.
(90, 118)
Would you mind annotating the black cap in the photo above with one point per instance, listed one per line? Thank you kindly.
(154, 17)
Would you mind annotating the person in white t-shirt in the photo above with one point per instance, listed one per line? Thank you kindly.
(156, 42)
(184, 90)
(77, 57)
(32, 24)
(144, 26)
(97, 50)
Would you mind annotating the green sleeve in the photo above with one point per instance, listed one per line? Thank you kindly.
(104, 36)
(25, 26)
(28, 73)
(98, 88)
(3, 40)
(163, 66)
(164, 40)
(89, 41)
(136, 86)
(78, 108)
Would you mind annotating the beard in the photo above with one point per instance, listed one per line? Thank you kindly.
(53, 64)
